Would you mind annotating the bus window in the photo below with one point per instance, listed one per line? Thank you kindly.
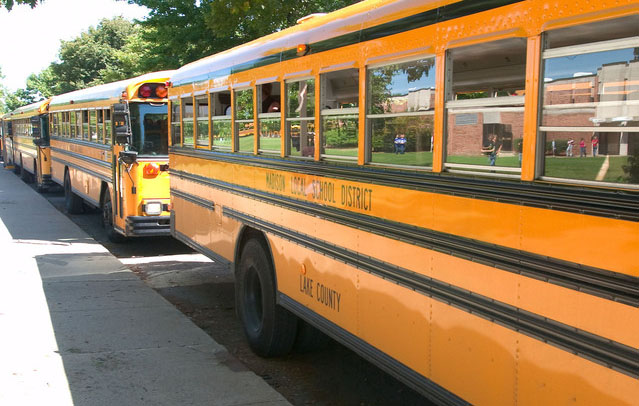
(485, 106)
(270, 119)
(220, 104)
(176, 136)
(100, 127)
(187, 122)
(108, 127)
(72, 125)
(589, 123)
(149, 127)
(244, 120)
(93, 126)
(85, 125)
(400, 113)
(340, 113)
(202, 109)
(300, 118)
(54, 124)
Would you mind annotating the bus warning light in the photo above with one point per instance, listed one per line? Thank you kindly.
(302, 49)
(161, 91)
(145, 91)
(151, 170)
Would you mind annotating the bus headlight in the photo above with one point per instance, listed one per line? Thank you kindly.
(153, 208)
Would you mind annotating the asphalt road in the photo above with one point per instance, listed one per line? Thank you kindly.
(203, 290)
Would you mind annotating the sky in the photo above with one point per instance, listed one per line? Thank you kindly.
(30, 38)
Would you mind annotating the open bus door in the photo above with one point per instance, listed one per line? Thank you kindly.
(123, 161)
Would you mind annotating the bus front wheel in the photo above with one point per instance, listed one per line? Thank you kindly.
(270, 329)
(72, 202)
(107, 220)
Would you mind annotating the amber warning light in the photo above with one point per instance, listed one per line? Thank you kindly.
(302, 49)
(151, 170)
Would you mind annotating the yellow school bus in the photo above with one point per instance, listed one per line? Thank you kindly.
(449, 188)
(109, 150)
(27, 129)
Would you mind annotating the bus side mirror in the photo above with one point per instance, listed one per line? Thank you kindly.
(121, 123)
(39, 142)
(128, 157)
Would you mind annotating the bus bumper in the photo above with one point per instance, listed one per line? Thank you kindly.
(147, 226)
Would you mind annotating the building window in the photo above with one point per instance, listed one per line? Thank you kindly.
(590, 115)
(400, 112)
(244, 130)
(300, 118)
(269, 117)
(202, 109)
(485, 107)
(340, 114)
(187, 122)
(221, 136)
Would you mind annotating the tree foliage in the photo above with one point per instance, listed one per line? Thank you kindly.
(175, 33)
(97, 56)
(182, 31)
(8, 4)
(240, 21)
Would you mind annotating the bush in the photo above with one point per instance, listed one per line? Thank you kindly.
(632, 169)
(560, 146)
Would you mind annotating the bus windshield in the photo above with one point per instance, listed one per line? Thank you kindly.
(149, 123)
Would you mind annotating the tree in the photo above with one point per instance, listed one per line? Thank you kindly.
(93, 57)
(19, 98)
(176, 33)
(3, 95)
(244, 20)
(8, 4)
(182, 31)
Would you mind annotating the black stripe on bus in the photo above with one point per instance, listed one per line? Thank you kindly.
(423, 385)
(207, 204)
(445, 13)
(82, 169)
(82, 142)
(610, 203)
(593, 281)
(198, 247)
(601, 350)
(87, 159)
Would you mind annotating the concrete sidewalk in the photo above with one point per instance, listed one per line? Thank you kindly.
(78, 328)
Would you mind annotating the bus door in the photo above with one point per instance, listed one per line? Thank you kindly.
(123, 163)
(43, 161)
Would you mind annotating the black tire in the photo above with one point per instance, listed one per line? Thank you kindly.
(270, 329)
(26, 176)
(309, 339)
(16, 168)
(107, 220)
(72, 202)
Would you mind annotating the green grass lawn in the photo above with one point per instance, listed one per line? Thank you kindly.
(407, 158)
(585, 168)
(506, 161)
(270, 144)
(615, 170)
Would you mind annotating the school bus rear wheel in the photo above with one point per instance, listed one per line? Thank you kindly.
(269, 328)
(107, 220)
(72, 202)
